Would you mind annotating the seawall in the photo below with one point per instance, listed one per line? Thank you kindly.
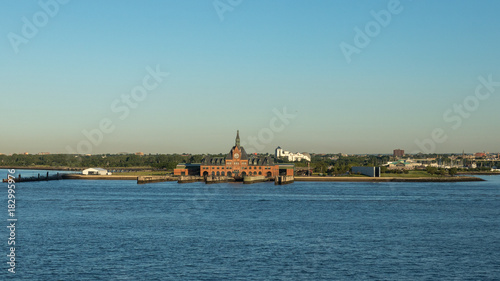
(387, 179)
(96, 177)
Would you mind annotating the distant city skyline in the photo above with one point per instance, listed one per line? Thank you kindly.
(182, 76)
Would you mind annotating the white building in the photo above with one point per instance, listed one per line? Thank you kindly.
(96, 171)
(407, 165)
(279, 152)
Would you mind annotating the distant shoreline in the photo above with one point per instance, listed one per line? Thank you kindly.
(72, 168)
(41, 168)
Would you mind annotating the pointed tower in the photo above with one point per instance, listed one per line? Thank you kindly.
(238, 138)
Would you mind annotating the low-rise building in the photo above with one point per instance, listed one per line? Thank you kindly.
(279, 152)
(404, 165)
(96, 171)
(480, 155)
(367, 171)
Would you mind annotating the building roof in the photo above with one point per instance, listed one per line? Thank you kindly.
(96, 169)
(243, 156)
(261, 161)
(213, 161)
(286, 166)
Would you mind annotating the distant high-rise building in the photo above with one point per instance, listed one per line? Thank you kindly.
(398, 152)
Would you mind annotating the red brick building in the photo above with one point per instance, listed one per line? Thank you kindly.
(236, 164)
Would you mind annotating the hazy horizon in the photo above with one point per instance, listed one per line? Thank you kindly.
(356, 77)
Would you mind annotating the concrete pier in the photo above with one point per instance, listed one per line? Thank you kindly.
(218, 179)
(153, 179)
(254, 179)
(280, 180)
(189, 179)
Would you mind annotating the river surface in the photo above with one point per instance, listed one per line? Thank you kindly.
(118, 230)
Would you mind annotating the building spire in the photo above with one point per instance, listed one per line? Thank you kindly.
(238, 138)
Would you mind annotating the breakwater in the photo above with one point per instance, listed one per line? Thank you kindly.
(39, 177)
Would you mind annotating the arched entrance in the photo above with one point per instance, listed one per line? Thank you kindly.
(229, 174)
(269, 174)
(205, 174)
(223, 174)
(244, 174)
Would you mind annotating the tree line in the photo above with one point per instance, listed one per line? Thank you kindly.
(333, 164)
(158, 161)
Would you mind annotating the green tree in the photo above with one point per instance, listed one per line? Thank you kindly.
(431, 170)
(452, 171)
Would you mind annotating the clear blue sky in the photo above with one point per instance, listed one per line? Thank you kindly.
(231, 74)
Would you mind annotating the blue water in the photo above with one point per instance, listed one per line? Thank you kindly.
(32, 173)
(118, 230)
